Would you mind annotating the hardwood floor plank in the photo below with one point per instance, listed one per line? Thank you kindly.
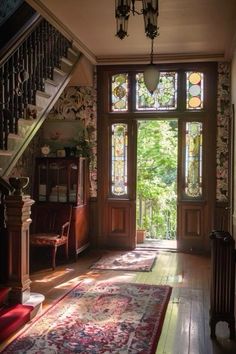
(186, 326)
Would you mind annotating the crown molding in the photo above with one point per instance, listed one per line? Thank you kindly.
(160, 58)
(50, 17)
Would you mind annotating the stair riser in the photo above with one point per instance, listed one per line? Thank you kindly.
(50, 89)
(72, 56)
(41, 101)
(65, 66)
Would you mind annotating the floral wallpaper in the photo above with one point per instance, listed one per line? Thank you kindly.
(223, 135)
(79, 104)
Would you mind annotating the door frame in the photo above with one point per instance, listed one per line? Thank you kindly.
(195, 217)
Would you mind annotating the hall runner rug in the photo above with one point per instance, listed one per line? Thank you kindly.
(140, 261)
(99, 318)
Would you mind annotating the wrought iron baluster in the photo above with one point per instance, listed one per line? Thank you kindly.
(15, 63)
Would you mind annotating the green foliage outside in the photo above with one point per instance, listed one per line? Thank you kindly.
(156, 178)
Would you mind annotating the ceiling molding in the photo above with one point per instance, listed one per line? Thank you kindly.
(161, 58)
(50, 17)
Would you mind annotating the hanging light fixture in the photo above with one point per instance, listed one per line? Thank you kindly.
(151, 74)
(150, 14)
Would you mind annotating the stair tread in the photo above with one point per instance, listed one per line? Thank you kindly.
(59, 71)
(6, 153)
(74, 52)
(43, 94)
(67, 61)
(14, 136)
(12, 318)
(23, 121)
(51, 82)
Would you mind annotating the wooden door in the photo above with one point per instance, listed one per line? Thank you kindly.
(118, 197)
(194, 105)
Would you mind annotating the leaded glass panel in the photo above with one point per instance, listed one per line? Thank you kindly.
(194, 89)
(119, 92)
(119, 159)
(193, 159)
(164, 98)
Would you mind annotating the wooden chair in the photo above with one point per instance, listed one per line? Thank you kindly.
(51, 228)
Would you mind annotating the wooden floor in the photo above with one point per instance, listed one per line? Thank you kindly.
(186, 328)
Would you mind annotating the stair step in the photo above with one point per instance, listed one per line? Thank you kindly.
(42, 98)
(25, 122)
(67, 61)
(51, 82)
(50, 86)
(14, 140)
(14, 136)
(72, 55)
(58, 75)
(66, 65)
(36, 300)
(6, 153)
(43, 94)
(12, 318)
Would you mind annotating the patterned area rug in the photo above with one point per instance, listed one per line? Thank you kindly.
(104, 318)
(140, 261)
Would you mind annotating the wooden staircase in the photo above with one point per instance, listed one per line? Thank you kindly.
(19, 124)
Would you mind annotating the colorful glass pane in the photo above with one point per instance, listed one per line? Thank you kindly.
(193, 159)
(164, 98)
(119, 159)
(119, 92)
(194, 87)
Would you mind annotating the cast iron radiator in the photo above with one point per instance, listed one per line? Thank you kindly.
(222, 281)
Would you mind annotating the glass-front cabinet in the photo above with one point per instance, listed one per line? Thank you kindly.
(61, 182)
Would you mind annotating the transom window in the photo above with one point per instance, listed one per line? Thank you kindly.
(166, 96)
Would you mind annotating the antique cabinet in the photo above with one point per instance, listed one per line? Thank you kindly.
(59, 183)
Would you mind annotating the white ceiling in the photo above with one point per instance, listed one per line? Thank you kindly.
(189, 29)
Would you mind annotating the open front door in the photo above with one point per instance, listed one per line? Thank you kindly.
(187, 93)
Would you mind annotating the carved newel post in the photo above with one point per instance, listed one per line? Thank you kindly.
(18, 209)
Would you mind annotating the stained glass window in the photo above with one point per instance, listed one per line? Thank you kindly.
(119, 159)
(164, 98)
(194, 87)
(193, 159)
(119, 90)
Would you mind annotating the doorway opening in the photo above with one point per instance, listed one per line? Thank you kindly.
(156, 208)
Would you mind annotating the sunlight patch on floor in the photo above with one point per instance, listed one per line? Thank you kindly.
(55, 275)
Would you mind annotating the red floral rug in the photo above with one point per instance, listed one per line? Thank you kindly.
(101, 317)
(139, 261)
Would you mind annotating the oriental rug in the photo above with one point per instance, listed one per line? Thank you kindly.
(99, 318)
(140, 261)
